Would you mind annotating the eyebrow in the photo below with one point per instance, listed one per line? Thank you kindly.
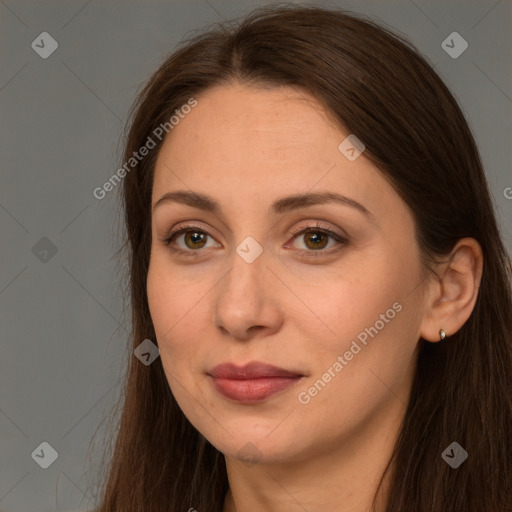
(282, 205)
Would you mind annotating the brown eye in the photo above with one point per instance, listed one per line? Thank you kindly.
(193, 237)
(315, 239)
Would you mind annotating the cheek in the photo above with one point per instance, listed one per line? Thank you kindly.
(165, 307)
(351, 302)
(170, 305)
(161, 296)
(177, 314)
(371, 319)
(170, 297)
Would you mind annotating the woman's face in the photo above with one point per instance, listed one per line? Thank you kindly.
(339, 313)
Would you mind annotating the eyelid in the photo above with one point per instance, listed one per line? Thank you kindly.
(184, 228)
(316, 227)
(342, 240)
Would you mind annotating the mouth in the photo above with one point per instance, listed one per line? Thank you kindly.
(252, 383)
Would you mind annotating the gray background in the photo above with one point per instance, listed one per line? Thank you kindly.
(63, 344)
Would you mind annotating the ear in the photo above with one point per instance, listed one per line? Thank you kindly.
(452, 296)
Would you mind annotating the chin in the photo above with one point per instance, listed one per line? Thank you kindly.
(266, 442)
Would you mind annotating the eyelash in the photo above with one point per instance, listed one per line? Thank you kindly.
(317, 228)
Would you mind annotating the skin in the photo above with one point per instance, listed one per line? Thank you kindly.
(246, 147)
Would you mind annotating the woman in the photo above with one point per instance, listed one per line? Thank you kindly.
(314, 251)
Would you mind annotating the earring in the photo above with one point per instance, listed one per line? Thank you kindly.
(442, 334)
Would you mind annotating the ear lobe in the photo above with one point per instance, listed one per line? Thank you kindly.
(453, 295)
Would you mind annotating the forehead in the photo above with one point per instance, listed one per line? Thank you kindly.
(279, 130)
(262, 105)
(250, 145)
(284, 112)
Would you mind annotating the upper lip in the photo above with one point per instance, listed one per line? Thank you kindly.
(252, 370)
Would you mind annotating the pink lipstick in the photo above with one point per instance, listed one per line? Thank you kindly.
(253, 382)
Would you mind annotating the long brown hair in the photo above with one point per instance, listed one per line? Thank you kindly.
(376, 85)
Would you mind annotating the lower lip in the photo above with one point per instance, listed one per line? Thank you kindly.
(253, 390)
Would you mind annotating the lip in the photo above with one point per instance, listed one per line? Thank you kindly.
(252, 370)
(253, 382)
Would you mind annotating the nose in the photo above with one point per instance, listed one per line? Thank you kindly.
(247, 303)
